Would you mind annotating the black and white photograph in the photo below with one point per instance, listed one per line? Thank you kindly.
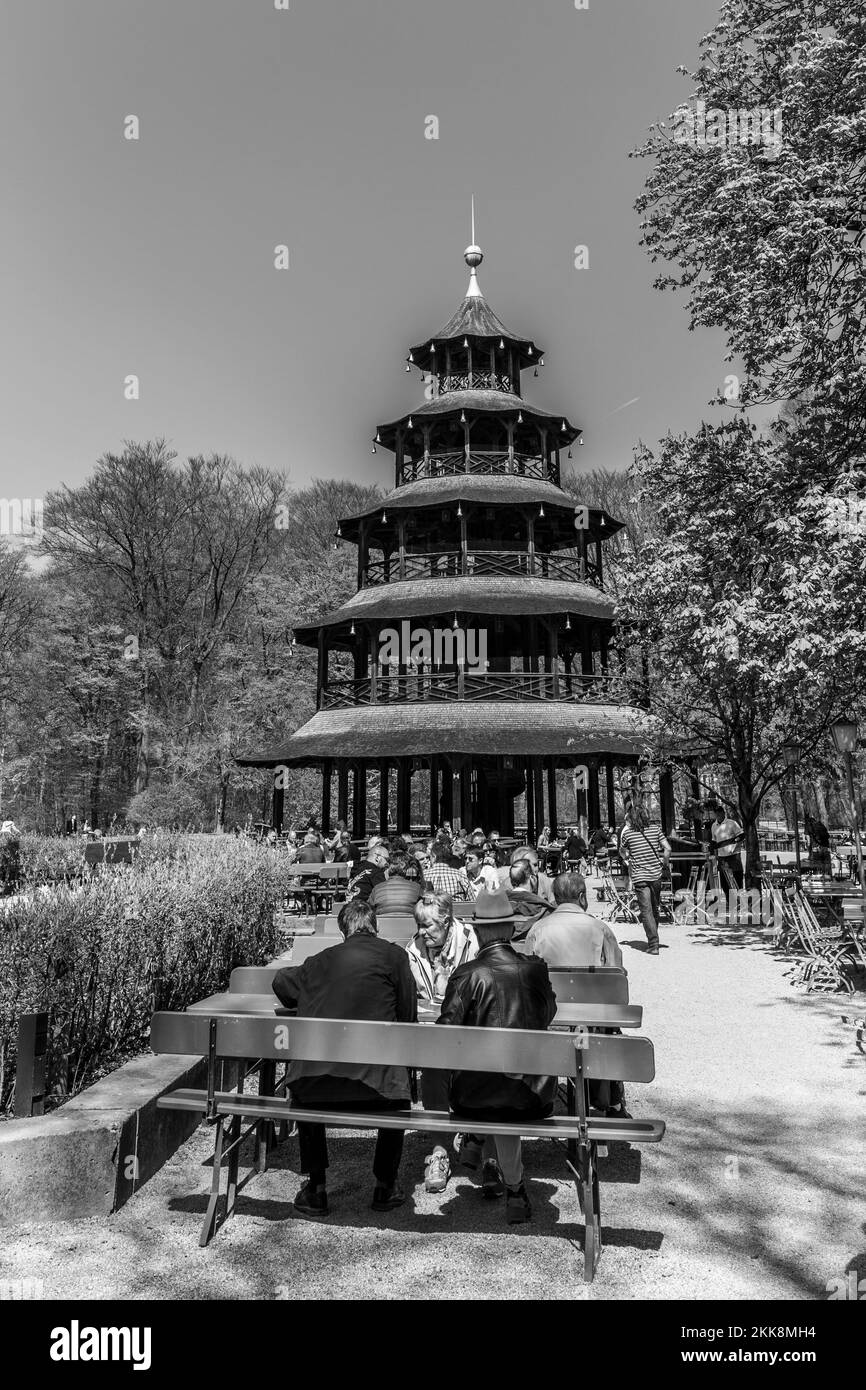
(432, 674)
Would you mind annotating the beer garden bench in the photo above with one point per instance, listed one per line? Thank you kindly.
(251, 1033)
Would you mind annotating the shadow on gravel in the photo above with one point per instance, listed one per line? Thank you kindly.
(461, 1207)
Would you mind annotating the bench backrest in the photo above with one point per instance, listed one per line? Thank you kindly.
(306, 946)
(392, 926)
(608, 985)
(604, 1057)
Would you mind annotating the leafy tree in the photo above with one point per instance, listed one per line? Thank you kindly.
(731, 595)
(767, 242)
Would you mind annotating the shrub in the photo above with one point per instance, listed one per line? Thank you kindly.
(157, 934)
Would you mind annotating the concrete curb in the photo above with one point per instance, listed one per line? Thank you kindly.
(88, 1158)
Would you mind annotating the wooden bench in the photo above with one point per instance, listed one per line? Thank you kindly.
(602, 985)
(318, 885)
(236, 1038)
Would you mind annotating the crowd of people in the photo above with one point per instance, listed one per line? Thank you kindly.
(470, 969)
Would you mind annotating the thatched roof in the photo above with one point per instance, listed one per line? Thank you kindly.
(488, 489)
(479, 403)
(421, 598)
(506, 728)
(475, 319)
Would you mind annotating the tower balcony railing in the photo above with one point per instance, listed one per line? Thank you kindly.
(466, 685)
(453, 564)
(500, 461)
(474, 381)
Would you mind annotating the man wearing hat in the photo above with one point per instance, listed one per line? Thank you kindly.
(499, 989)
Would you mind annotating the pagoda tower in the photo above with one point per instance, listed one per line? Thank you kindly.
(471, 669)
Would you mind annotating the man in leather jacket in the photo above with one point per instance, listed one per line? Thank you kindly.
(500, 989)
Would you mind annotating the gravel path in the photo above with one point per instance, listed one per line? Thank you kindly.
(756, 1192)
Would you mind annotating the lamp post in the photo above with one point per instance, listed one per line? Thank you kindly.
(791, 754)
(844, 733)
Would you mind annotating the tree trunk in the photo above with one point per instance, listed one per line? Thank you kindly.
(221, 811)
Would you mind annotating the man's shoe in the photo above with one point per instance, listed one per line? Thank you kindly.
(652, 950)
(618, 1112)
(517, 1205)
(468, 1151)
(386, 1198)
(491, 1179)
(311, 1201)
(437, 1171)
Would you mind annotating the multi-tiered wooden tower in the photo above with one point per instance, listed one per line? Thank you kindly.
(477, 685)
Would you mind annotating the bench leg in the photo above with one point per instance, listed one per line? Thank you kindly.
(591, 1213)
(265, 1138)
(233, 1135)
(209, 1224)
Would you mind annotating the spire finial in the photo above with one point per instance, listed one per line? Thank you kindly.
(473, 256)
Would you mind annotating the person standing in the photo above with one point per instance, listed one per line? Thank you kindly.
(728, 840)
(645, 851)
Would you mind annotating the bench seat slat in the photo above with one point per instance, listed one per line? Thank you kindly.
(602, 1129)
(500, 1050)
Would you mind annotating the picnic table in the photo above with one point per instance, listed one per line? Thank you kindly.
(568, 1015)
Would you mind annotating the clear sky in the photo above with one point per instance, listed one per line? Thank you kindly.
(307, 127)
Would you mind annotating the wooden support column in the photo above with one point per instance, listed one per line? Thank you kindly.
(383, 796)
(362, 554)
(398, 458)
(554, 659)
(609, 787)
(530, 543)
(538, 790)
(327, 767)
(343, 791)
(466, 446)
(401, 534)
(359, 803)
(434, 792)
(404, 794)
(277, 800)
(531, 832)
(322, 666)
(593, 797)
(446, 799)
(374, 664)
(552, 814)
(666, 800)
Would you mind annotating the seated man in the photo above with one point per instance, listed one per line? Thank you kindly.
(499, 989)
(575, 846)
(524, 896)
(369, 872)
(570, 938)
(442, 877)
(438, 947)
(311, 851)
(479, 874)
(362, 977)
(400, 891)
(544, 886)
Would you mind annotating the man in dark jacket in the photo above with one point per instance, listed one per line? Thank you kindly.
(370, 872)
(526, 901)
(365, 978)
(500, 989)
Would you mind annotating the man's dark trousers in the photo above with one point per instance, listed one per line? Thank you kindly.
(312, 1139)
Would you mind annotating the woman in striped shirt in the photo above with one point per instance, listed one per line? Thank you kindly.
(644, 850)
